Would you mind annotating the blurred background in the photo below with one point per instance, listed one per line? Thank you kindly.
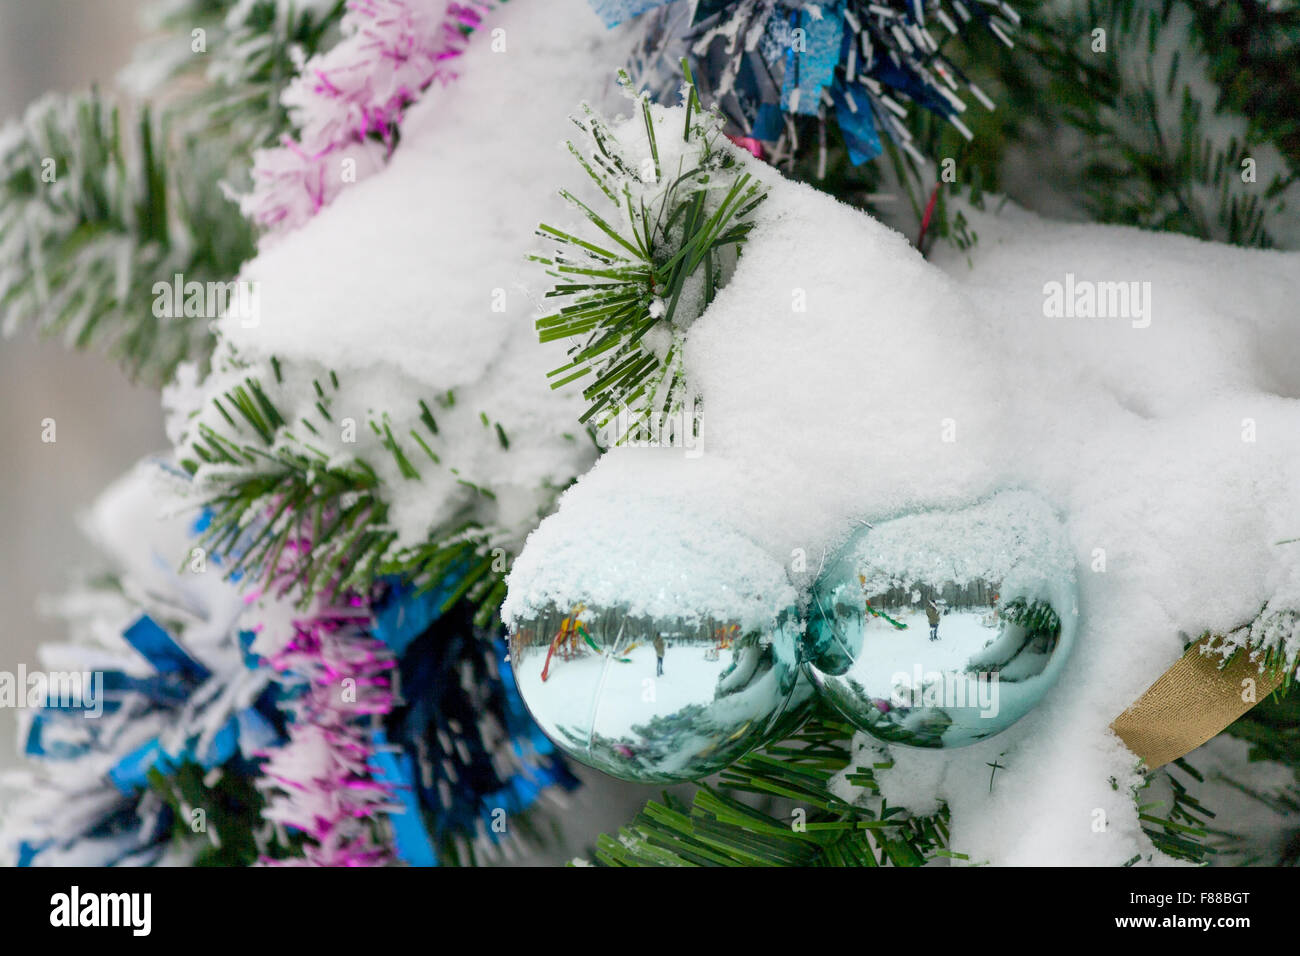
(103, 422)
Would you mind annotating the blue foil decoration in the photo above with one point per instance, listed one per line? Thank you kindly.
(410, 838)
(853, 113)
(401, 614)
(746, 56)
(614, 12)
(810, 70)
(162, 652)
(468, 749)
(124, 833)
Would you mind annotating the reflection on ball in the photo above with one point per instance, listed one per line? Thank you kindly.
(944, 628)
(653, 699)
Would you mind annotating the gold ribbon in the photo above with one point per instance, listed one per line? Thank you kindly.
(1191, 702)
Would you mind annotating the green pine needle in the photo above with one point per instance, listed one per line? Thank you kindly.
(92, 216)
(269, 491)
(638, 272)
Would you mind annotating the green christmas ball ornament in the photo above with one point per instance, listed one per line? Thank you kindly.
(655, 656)
(944, 628)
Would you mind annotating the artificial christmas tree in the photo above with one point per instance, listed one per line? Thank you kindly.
(389, 474)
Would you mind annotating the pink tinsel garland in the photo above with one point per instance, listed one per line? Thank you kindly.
(322, 779)
(347, 103)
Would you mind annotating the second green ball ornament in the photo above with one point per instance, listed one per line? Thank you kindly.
(944, 628)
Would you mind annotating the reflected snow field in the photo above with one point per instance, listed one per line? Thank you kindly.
(981, 674)
(943, 628)
(592, 681)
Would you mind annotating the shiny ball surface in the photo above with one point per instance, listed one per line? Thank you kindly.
(943, 628)
(653, 699)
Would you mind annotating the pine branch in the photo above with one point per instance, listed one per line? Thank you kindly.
(1181, 833)
(1137, 140)
(91, 218)
(250, 53)
(1254, 54)
(229, 830)
(822, 829)
(305, 520)
(96, 206)
(631, 290)
(1190, 184)
(1272, 728)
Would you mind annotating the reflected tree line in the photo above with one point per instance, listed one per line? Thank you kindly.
(974, 594)
(584, 629)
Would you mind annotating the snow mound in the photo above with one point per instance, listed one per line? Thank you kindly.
(413, 286)
(1144, 385)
